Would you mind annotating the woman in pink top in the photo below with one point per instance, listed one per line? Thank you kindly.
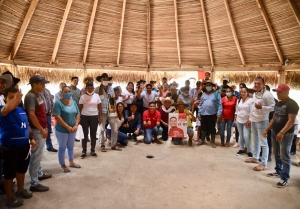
(165, 90)
(228, 103)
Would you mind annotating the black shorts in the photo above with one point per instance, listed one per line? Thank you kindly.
(14, 160)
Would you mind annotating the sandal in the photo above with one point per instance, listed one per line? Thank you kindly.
(227, 144)
(75, 166)
(222, 144)
(65, 169)
(196, 140)
(116, 148)
(13, 203)
(251, 160)
(102, 148)
(260, 167)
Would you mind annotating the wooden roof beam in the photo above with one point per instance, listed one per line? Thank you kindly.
(295, 10)
(271, 32)
(236, 40)
(207, 33)
(121, 32)
(88, 37)
(148, 33)
(177, 35)
(23, 29)
(60, 32)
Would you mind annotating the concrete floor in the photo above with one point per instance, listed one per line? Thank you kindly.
(177, 177)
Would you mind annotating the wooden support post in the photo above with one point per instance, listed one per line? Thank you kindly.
(23, 29)
(84, 71)
(121, 32)
(207, 34)
(88, 37)
(148, 34)
(1, 2)
(60, 32)
(234, 32)
(148, 77)
(295, 10)
(271, 32)
(177, 35)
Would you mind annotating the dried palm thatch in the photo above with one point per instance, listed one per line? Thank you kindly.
(248, 77)
(292, 79)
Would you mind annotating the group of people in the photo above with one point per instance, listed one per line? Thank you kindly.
(141, 109)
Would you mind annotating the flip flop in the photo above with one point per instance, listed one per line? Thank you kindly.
(116, 148)
(196, 140)
(102, 149)
(65, 169)
(251, 160)
(260, 167)
(75, 166)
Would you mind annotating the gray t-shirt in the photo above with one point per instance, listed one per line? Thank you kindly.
(75, 94)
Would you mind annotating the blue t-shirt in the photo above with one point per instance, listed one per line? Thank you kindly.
(67, 112)
(14, 128)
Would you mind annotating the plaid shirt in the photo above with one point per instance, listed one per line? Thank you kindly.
(46, 97)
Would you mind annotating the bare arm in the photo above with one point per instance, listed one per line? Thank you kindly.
(12, 104)
(80, 107)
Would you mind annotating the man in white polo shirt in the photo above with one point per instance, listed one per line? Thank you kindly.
(148, 96)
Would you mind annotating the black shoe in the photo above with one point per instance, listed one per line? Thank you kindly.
(93, 154)
(275, 174)
(83, 155)
(51, 149)
(88, 140)
(39, 188)
(269, 158)
(240, 152)
(77, 140)
(293, 153)
(134, 137)
(250, 154)
(130, 136)
(281, 184)
(2, 190)
(207, 138)
(44, 176)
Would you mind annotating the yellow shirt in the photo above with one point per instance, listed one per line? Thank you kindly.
(189, 121)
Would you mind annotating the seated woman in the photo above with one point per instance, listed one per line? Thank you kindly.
(181, 108)
(165, 109)
(134, 122)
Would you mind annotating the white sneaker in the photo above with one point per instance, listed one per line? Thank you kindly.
(236, 145)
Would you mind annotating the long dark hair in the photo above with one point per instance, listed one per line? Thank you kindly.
(133, 92)
(122, 113)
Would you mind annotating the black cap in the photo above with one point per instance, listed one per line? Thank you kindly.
(89, 84)
(38, 79)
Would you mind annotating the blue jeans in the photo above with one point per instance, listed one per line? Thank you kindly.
(122, 137)
(151, 131)
(281, 151)
(35, 169)
(65, 141)
(48, 140)
(227, 123)
(257, 129)
(244, 132)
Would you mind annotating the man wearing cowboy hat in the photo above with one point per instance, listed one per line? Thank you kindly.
(181, 108)
(210, 108)
(165, 109)
(105, 92)
(134, 125)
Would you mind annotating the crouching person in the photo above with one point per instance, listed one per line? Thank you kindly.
(14, 142)
(151, 122)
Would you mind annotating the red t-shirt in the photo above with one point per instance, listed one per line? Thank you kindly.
(155, 117)
(228, 108)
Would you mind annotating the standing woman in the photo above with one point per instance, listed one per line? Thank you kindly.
(241, 120)
(228, 103)
(91, 115)
(128, 94)
(165, 90)
(67, 119)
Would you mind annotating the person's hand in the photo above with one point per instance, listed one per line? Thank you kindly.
(75, 129)
(149, 123)
(234, 122)
(19, 95)
(44, 133)
(220, 118)
(126, 125)
(279, 137)
(248, 124)
(265, 134)
(258, 105)
(32, 143)
(199, 117)
(137, 132)
(70, 129)
(99, 120)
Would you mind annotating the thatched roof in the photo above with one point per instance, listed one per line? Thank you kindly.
(150, 34)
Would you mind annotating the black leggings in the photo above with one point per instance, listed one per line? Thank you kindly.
(86, 123)
(208, 123)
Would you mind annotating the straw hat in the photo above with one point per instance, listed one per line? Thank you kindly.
(180, 103)
(166, 99)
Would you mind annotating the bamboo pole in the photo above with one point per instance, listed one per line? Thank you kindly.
(177, 35)
(148, 33)
(88, 37)
(207, 33)
(270, 29)
(60, 32)
(23, 29)
(236, 40)
(121, 31)
(295, 10)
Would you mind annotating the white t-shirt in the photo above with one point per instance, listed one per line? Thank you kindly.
(90, 104)
(243, 110)
(127, 94)
(296, 126)
(148, 98)
(2, 103)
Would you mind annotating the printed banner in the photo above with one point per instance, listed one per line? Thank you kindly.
(177, 125)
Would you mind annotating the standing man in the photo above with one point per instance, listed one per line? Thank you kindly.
(147, 96)
(35, 108)
(46, 97)
(74, 90)
(282, 126)
(263, 104)
(224, 87)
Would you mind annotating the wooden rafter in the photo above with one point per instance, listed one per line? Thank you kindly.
(23, 29)
(177, 35)
(88, 37)
(121, 31)
(207, 33)
(295, 10)
(60, 32)
(1, 2)
(148, 33)
(236, 40)
(270, 29)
